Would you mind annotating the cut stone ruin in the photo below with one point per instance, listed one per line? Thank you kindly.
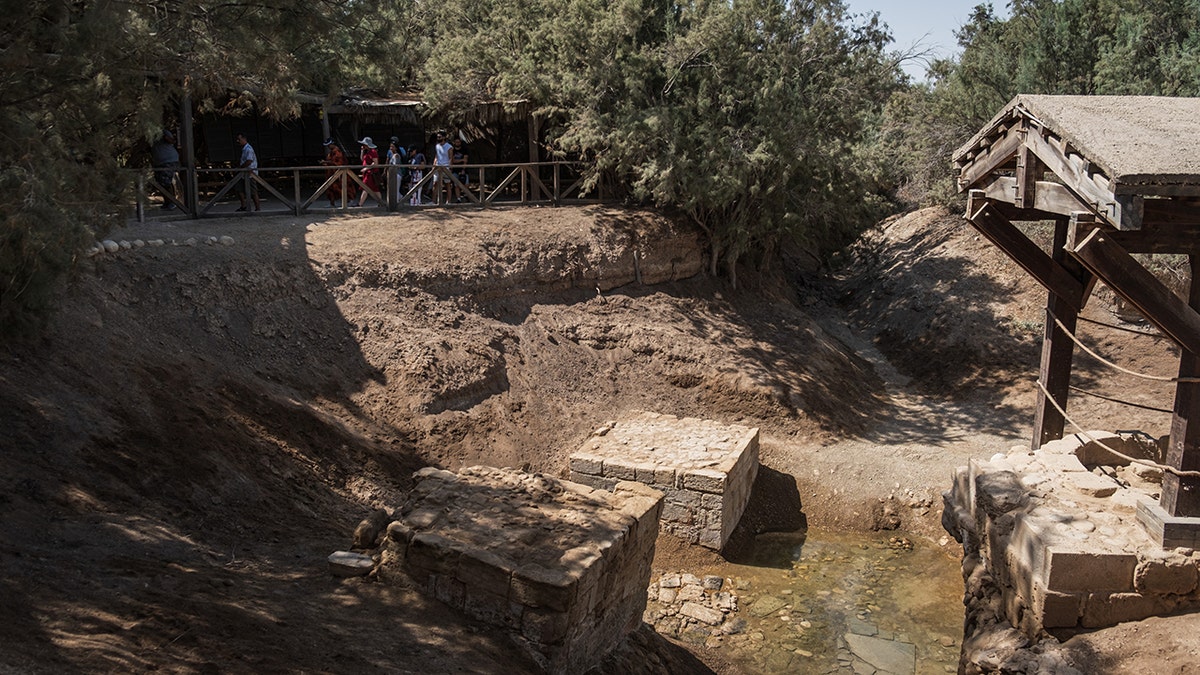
(561, 566)
(704, 469)
(1056, 534)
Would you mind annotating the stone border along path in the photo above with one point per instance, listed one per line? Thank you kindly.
(111, 246)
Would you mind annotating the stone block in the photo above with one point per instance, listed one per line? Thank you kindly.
(619, 470)
(1110, 609)
(1092, 485)
(703, 614)
(1069, 571)
(448, 590)
(589, 464)
(544, 627)
(704, 480)
(533, 585)
(1173, 575)
(1056, 610)
(1062, 463)
(479, 604)
(349, 564)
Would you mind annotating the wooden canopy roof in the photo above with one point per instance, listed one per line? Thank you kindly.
(1118, 175)
(1108, 154)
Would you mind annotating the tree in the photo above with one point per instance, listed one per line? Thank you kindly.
(83, 83)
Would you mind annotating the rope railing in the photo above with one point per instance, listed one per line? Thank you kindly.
(1110, 364)
(1182, 473)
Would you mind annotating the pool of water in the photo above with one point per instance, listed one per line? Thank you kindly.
(829, 602)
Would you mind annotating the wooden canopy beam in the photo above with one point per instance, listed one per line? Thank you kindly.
(998, 154)
(1105, 258)
(1001, 232)
(1076, 174)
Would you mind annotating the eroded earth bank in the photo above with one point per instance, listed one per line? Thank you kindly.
(200, 425)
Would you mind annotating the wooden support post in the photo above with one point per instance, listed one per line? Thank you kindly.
(191, 182)
(1181, 496)
(1029, 170)
(1058, 351)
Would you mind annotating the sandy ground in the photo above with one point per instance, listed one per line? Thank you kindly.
(200, 425)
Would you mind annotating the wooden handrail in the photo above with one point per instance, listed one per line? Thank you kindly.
(525, 178)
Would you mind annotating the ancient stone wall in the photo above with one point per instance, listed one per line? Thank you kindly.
(704, 469)
(561, 566)
(1051, 542)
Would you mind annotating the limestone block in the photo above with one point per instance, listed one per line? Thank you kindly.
(485, 570)
(998, 492)
(348, 564)
(1092, 485)
(448, 590)
(545, 627)
(701, 613)
(587, 463)
(1109, 609)
(1061, 463)
(1169, 575)
(533, 585)
(478, 603)
(704, 480)
(1074, 570)
(619, 470)
(1056, 610)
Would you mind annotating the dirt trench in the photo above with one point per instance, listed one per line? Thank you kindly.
(201, 424)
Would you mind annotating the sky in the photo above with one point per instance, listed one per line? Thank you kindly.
(928, 24)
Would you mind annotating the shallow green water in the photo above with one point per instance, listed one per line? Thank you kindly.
(847, 602)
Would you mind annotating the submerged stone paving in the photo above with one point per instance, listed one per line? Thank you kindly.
(704, 469)
(561, 565)
(1059, 535)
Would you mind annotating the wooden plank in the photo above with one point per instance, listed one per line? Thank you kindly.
(1000, 153)
(1181, 496)
(1076, 178)
(1048, 197)
(1050, 274)
(1127, 278)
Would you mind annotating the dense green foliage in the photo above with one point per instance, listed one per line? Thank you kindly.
(1102, 47)
(763, 121)
(84, 83)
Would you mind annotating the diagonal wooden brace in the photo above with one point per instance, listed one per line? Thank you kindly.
(1105, 258)
(1048, 272)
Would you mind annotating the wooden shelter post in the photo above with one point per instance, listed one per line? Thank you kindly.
(1181, 496)
(1058, 351)
(191, 183)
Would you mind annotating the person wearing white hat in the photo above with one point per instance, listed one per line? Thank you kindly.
(370, 157)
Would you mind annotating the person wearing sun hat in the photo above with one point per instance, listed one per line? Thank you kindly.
(334, 157)
(370, 158)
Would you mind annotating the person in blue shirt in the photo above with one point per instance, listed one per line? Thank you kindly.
(249, 162)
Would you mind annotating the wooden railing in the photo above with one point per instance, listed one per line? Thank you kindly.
(297, 189)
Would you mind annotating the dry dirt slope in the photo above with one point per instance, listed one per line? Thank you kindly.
(200, 426)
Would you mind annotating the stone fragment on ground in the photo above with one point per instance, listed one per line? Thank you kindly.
(887, 656)
(350, 564)
(689, 608)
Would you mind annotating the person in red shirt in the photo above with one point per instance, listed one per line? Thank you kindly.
(370, 158)
(335, 157)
